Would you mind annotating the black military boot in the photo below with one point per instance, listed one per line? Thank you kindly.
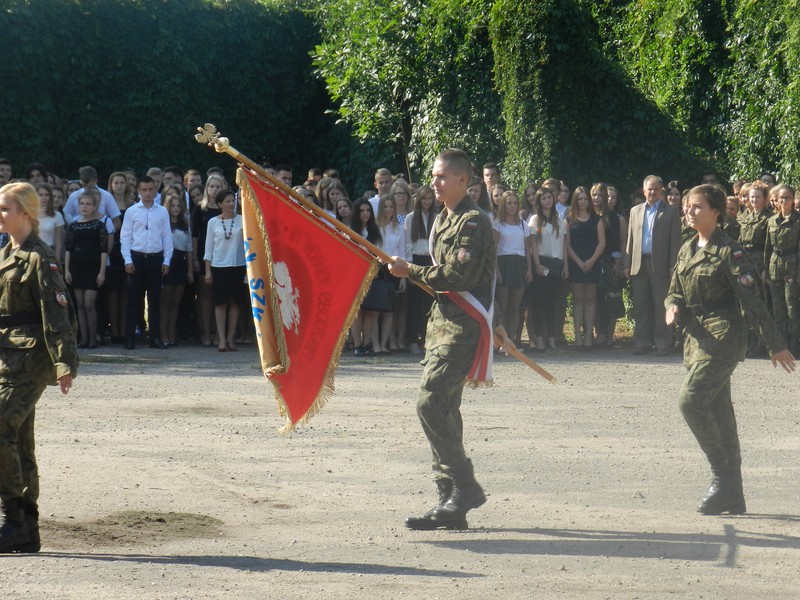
(444, 486)
(31, 511)
(14, 531)
(467, 494)
(725, 495)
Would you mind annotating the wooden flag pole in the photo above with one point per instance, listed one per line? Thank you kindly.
(209, 135)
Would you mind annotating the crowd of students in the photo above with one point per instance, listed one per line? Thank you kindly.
(182, 247)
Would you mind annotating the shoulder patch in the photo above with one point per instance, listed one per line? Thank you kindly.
(61, 298)
(464, 255)
(53, 267)
(471, 224)
(738, 254)
(746, 280)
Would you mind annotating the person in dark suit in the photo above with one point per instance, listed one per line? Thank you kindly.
(654, 237)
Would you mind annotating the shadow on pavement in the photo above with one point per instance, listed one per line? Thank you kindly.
(627, 544)
(257, 564)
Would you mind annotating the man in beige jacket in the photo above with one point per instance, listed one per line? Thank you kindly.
(654, 238)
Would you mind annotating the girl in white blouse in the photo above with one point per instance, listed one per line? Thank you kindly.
(180, 272)
(549, 249)
(51, 222)
(394, 244)
(225, 270)
(512, 235)
(418, 225)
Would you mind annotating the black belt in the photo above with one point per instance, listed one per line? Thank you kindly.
(28, 317)
(784, 253)
(146, 255)
(707, 308)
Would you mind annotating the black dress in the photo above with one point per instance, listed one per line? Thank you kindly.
(86, 241)
(583, 241)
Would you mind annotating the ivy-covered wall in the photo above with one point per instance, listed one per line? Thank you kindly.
(125, 83)
(580, 89)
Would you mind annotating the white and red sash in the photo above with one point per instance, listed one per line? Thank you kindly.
(481, 369)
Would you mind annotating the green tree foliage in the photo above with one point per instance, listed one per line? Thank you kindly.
(570, 110)
(125, 83)
(417, 74)
(672, 50)
(760, 121)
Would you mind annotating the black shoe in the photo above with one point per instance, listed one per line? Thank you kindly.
(641, 351)
(462, 500)
(426, 522)
(467, 494)
(157, 343)
(14, 531)
(32, 523)
(725, 495)
(130, 343)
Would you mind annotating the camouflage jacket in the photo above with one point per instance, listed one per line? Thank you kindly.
(465, 253)
(37, 322)
(753, 235)
(712, 287)
(783, 242)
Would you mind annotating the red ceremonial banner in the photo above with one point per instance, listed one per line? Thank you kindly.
(306, 282)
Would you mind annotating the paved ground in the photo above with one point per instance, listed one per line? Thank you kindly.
(163, 477)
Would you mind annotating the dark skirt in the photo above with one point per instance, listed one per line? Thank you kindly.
(178, 269)
(84, 268)
(227, 284)
(512, 269)
(576, 275)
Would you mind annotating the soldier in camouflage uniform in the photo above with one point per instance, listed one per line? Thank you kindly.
(780, 256)
(713, 282)
(37, 349)
(464, 253)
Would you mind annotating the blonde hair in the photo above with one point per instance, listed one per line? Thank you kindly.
(24, 194)
(205, 201)
(381, 218)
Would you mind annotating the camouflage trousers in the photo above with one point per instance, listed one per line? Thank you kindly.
(705, 402)
(19, 475)
(784, 308)
(439, 404)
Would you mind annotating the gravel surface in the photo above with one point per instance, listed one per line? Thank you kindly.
(163, 476)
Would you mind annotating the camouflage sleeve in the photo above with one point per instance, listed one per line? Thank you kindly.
(58, 317)
(746, 281)
(675, 295)
(464, 260)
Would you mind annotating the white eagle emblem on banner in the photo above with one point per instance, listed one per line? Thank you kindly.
(287, 298)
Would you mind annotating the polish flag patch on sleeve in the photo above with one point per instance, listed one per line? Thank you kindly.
(53, 267)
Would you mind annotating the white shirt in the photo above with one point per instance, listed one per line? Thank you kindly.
(107, 206)
(224, 242)
(394, 240)
(47, 227)
(146, 230)
(562, 210)
(512, 238)
(182, 240)
(549, 243)
(419, 246)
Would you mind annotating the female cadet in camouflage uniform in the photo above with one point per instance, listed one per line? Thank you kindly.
(714, 281)
(37, 348)
(780, 257)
